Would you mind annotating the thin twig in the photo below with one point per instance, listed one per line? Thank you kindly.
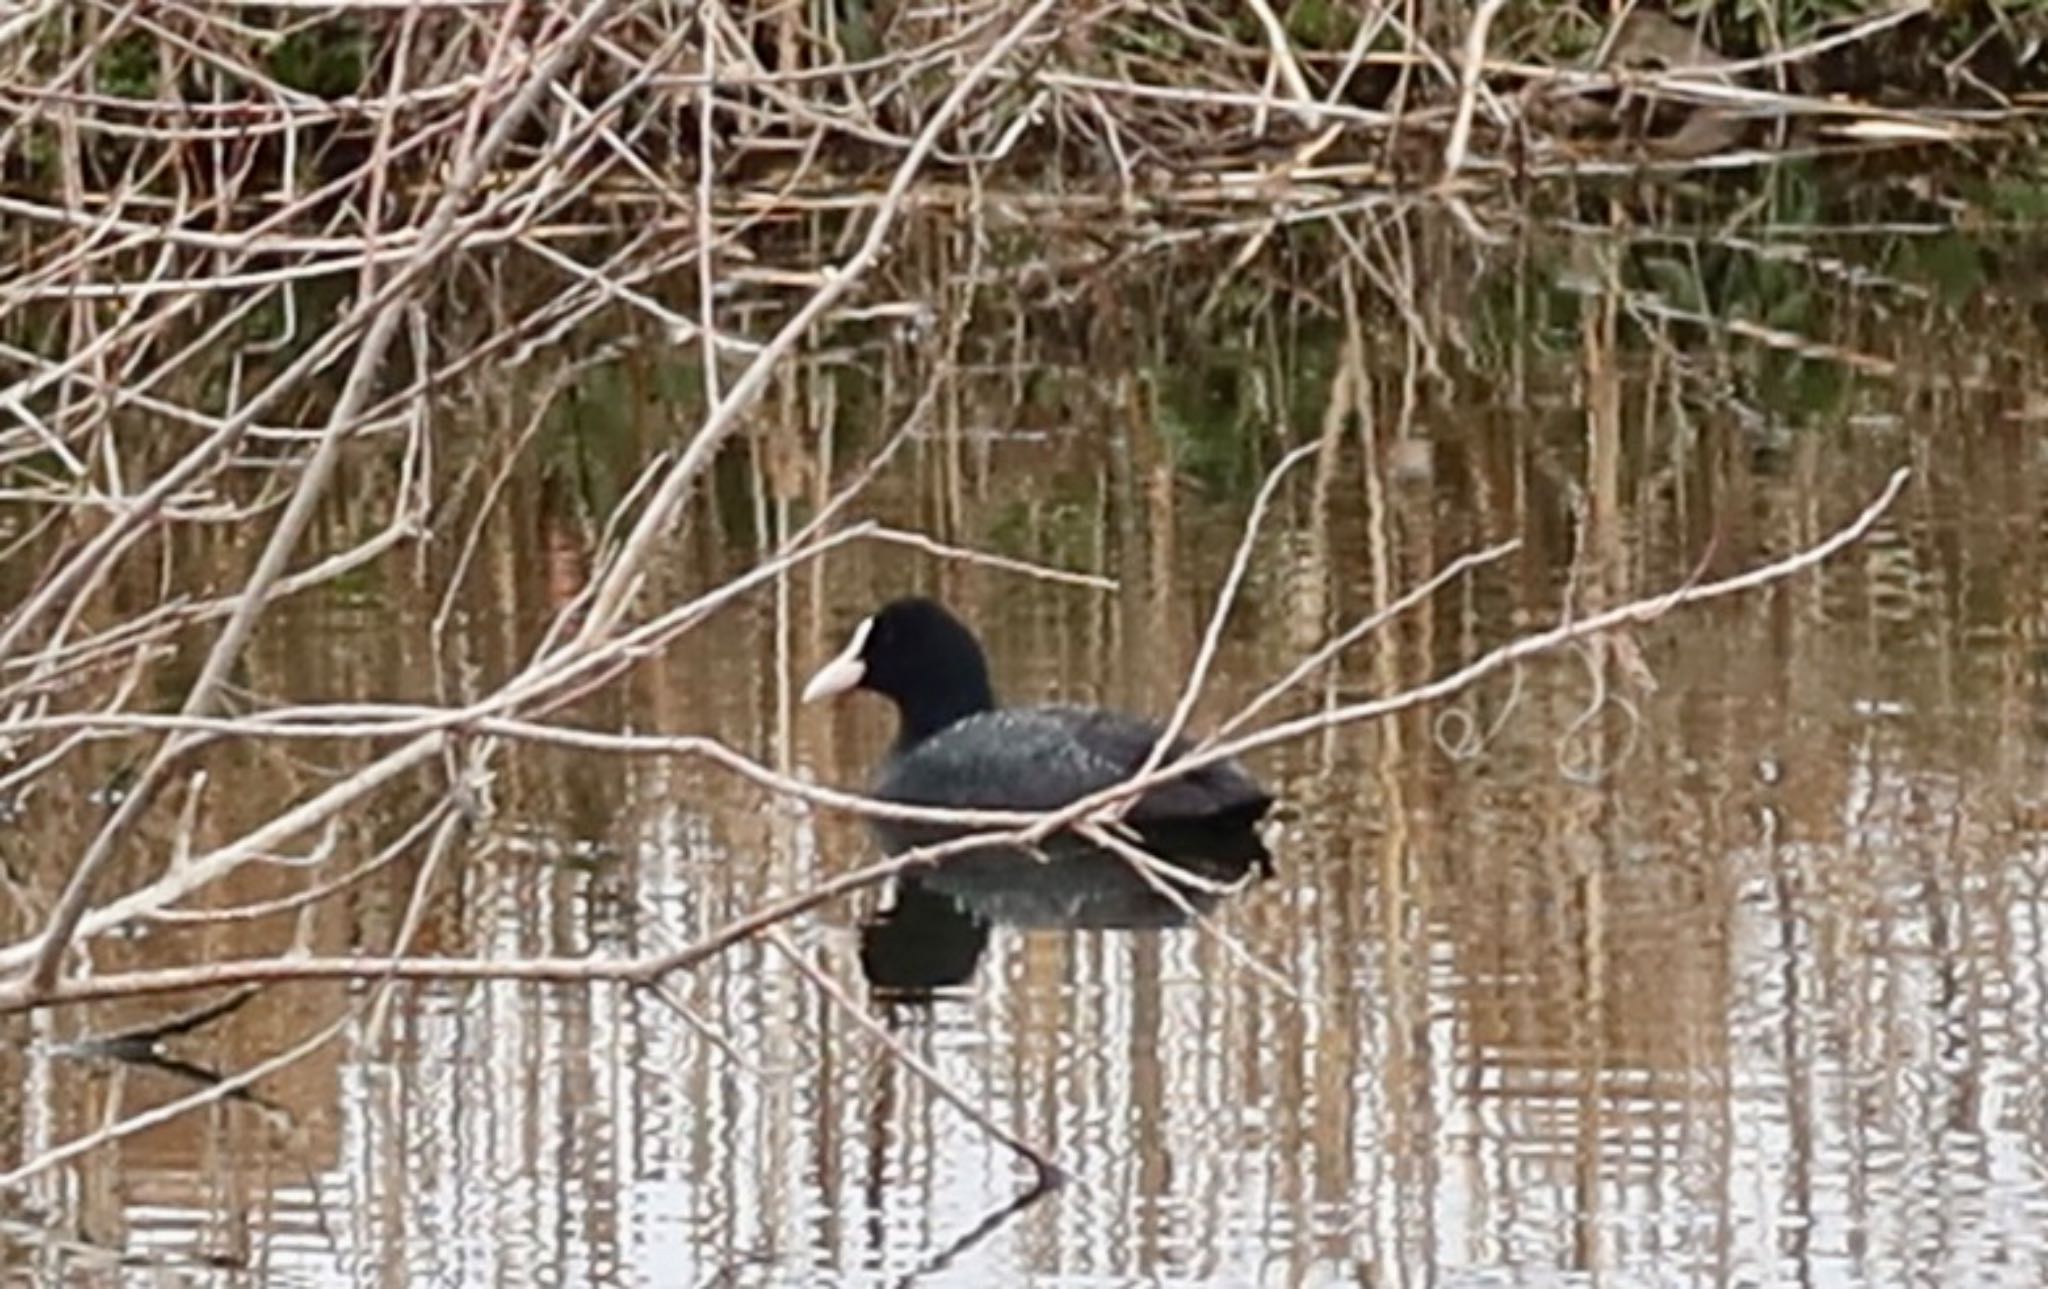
(1048, 1173)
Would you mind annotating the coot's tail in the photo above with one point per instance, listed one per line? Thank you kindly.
(1226, 842)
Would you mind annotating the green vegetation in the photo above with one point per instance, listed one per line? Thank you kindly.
(329, 60)
(126, 67)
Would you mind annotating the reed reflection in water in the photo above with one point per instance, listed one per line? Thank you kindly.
(1744, 987)
(1763, 1003)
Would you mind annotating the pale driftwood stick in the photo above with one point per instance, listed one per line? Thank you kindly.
(487, 507)
(320, 890)
(392, 720)
(1306, 105)
(1165, 878)
(135, 633)
(175, 884)
(632, 971)
(287, 971)
(1357, 631)
(208, 1095)
(707, 181)
(34, 768)
(1471, 81)
(911, 422)
(676, 1003)
(203, 870)
(376, 1006)
(601, 288)
(1049, 1173)
(1226, 599)
(1636, 611)
(966, 555)
(438, 850)
(413, 723)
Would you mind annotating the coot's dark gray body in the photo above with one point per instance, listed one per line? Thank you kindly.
(956, 748)
(1042, 758)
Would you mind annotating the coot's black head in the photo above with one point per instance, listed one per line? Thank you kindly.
(920, 657)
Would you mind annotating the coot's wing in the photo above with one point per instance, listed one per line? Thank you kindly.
(1041, 758)
(1006, 759)
(1220, 788)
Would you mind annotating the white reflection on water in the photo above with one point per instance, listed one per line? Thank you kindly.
(1854, 1098)
(1770, 1006)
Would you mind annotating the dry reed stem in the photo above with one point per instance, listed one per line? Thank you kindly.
(1358, 631)
(1166, 880)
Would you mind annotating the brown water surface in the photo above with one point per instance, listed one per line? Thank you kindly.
(1712, 956)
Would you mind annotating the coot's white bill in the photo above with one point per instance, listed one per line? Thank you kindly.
(843, 672)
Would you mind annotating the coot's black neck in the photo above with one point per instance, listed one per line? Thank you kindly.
(952, 691)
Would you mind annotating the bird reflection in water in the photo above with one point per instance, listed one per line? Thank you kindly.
(937, 925)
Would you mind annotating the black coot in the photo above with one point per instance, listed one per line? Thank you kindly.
(957, 748)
